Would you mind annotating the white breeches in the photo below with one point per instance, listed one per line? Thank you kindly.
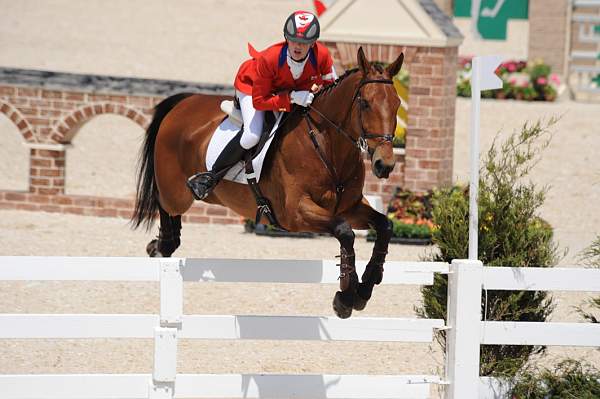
(253, 121)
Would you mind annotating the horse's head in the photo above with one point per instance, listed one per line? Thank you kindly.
(374, 108)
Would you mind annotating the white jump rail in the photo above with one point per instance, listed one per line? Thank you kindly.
(135, 386)
(172, 324)
(311, 328)
(41, 268)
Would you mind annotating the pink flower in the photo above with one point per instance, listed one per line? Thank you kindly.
(512, 81)
(511, 67)
(554, 78)
(542, 80)
(524, 84)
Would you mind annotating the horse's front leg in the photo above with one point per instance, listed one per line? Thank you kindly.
(343, 301)
(362, 216)
(316, 218)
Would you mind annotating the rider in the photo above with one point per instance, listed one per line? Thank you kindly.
(285, 73)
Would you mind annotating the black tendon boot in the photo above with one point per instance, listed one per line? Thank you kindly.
(203, 183)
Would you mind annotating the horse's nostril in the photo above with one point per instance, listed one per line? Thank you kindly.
(378, 164)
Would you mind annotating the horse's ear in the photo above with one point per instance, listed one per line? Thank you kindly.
(395, 66)
(363, 62)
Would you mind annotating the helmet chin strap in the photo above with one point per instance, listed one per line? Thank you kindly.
(295, 60)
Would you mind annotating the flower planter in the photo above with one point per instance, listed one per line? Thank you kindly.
(524, 81)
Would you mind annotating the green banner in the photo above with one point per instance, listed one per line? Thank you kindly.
(493, 15)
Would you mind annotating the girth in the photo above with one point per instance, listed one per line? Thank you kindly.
(263, 205)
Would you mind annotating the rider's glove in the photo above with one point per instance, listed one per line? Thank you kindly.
(303, 98)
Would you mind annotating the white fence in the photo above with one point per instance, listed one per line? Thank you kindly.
(466, 331)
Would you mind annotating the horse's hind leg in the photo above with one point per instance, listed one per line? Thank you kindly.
(168, 236)
(373, 273)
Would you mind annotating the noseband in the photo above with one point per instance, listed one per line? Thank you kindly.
(361, 143)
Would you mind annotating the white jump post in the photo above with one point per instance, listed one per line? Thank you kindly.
(482, 78)
(162, 385)
(463, 328)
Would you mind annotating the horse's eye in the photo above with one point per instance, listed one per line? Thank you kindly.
(364, 104)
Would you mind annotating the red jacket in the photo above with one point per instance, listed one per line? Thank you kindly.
(267, 76)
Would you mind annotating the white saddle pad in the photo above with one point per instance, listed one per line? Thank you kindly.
(221, 137)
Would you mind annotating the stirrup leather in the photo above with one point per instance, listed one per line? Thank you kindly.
(202, 184)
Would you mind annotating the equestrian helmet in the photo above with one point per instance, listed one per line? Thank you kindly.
(302, 27)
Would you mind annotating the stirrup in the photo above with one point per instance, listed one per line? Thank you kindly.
(202, 184)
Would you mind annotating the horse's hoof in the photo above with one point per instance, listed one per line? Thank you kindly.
(362, 296)
(152, 249)
(342, 304)
(373, 274)
(359, 302)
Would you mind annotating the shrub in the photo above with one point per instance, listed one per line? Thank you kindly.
(510, 234)
(569, 380)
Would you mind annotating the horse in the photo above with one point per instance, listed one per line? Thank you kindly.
(313, 174)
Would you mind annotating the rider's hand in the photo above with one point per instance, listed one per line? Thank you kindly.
(303, 98)
(316, 88)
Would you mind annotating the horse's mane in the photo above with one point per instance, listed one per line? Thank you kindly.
(330, 86)
(378, 67)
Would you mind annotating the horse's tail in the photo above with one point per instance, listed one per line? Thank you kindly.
(146, 201)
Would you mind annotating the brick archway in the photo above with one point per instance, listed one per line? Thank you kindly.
(16, 117)
(66, 129)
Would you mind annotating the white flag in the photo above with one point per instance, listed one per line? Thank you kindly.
(487, 77)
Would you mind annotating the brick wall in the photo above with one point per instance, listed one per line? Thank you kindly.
(548, 32)
(47, 171)
(431, 104)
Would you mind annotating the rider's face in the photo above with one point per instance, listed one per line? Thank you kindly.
(297, 50)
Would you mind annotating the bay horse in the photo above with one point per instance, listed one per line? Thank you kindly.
(313, 175)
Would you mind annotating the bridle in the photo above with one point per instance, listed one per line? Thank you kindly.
(361, 143)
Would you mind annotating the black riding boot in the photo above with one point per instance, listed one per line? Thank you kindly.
(203, 183)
